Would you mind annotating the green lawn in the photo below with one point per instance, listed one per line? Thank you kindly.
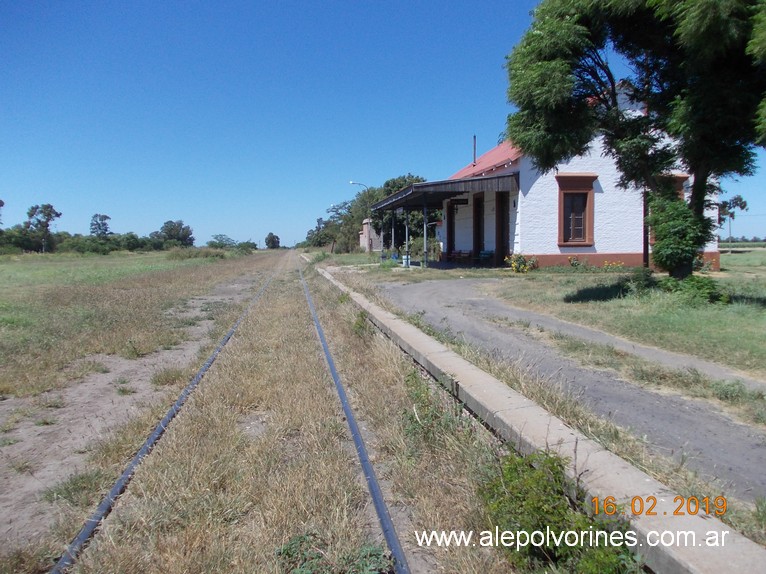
(732, 334)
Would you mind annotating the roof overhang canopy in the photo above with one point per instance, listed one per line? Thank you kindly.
(432, 194)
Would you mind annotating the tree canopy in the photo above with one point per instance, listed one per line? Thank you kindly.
(342, 228)
(99, 225)
(38, 226)
(35, 234)
(272, 241)
(221, 241)
(692, 69)
(176, 232)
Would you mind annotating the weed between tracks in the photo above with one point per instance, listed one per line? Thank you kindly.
(258, 474)
(435, 447)
(215, 497)
(429, 455)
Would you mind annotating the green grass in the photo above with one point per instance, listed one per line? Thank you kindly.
(740, 245)
(32, 271)
(732, 334)
(348, 258)
(81, 490)
(749, 406)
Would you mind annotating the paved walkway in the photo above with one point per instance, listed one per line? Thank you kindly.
(682, 428)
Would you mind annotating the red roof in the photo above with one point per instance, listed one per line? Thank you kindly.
(494, 159)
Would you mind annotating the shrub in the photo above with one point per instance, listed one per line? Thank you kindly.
(678, 235)
(416, 248)
(639, 282)
(179, 253)
(321, 256)
(695, 289)
(730, 391)
(529, 495)
(521, 263)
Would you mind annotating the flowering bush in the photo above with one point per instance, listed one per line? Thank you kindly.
(521, 263)
(613, 265)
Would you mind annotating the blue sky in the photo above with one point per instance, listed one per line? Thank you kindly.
(246, 118)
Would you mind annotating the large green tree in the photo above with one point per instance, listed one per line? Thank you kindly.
(381, 220)
(341, 228)
(691, 64)
(757, 49)
(99, 225)
(38, 226)
(272, 241)
(222, 241)
(176, 233)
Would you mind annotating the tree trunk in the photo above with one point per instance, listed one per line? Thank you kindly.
(683, 271)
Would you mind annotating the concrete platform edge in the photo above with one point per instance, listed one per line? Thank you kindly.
(528, 427)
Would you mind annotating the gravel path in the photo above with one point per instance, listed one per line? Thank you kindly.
(680, 427)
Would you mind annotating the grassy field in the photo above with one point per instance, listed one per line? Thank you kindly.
(740, 245)
(732, 334)
(56, 309)
(258, 473)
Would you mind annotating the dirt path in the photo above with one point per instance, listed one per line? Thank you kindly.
(679, 427)
(51, 434)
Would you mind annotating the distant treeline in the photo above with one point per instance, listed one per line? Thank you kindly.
(35, 235)
(742, 239)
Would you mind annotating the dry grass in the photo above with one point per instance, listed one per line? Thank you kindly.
(66, 317)
(261, 454)
(213, 497)
(749, 520)
(433, 456)
(109, 457)
(614, 438)
(749, 406)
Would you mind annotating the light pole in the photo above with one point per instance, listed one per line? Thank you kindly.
(357, 183)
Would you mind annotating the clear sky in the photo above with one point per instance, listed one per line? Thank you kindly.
(246, 118)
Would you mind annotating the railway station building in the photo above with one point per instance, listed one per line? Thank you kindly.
(501, 204)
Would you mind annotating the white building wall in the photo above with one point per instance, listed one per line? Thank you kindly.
(534, 212)
(513, 225)
(490, 204)
(464, 226)
(617, 218)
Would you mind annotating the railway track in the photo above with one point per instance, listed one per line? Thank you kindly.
(292, 470)
(288, 272)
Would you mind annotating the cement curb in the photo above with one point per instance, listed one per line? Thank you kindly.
(529, 428)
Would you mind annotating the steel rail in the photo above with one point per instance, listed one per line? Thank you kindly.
(389, 532)
(70, 555)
